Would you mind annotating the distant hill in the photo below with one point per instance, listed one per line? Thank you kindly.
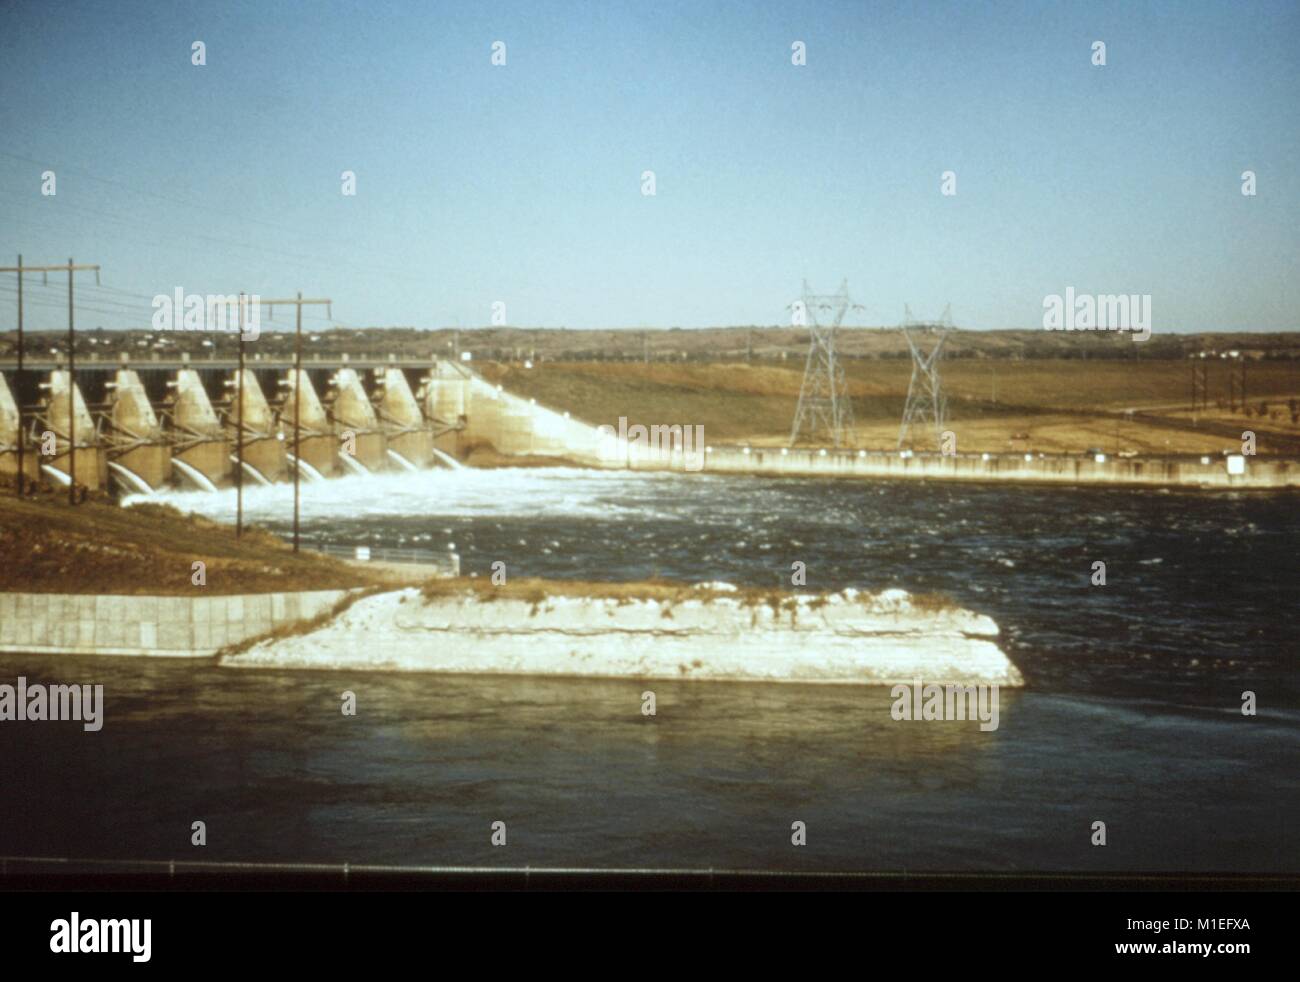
(668, 344)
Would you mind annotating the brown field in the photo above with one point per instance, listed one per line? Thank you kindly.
(1065, 405)
(48, 546)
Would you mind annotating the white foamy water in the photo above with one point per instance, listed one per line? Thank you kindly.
(560, 492)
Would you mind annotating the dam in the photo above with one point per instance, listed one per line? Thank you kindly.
(151, 425)
(138, 428)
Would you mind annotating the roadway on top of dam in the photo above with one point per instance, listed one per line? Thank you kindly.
(94, 361)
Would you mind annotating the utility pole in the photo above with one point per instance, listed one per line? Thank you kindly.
(18, 378)
(1200, 386)
(1236, 382)
(298, 302)
(72, 397)
(239, 429)
(71, 268)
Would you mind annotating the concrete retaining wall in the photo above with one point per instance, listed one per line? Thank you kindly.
(1257, 472)
(184, 627)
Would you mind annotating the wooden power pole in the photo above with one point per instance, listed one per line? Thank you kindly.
(298, 302)
(70, 268)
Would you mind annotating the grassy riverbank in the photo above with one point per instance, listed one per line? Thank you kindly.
(48, 546)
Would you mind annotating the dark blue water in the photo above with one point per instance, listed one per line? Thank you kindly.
(1131, 715)
(1200, 589)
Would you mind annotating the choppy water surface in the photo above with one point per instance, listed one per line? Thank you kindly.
(1131, 715)
(1198, 586)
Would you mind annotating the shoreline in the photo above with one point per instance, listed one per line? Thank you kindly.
(1053, 470)
(648, 631)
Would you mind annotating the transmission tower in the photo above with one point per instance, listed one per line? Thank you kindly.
(824, 396)
(1200, 385)
(925, 398)
(1236, 382)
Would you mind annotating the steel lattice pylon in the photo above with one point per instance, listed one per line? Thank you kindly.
(925, 398)
(824, 396)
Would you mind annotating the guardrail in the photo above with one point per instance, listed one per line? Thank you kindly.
(447, 562)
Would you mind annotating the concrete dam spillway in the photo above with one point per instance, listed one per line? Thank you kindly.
(147, 428)
(139, 435)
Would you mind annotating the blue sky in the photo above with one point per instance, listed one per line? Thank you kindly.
(522, 183)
